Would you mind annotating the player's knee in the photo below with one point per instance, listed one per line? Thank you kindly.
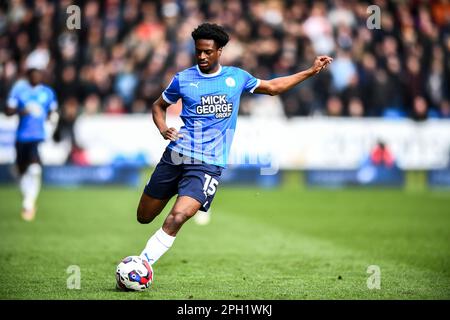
(180, 216)
(142, 217)
(143, 220)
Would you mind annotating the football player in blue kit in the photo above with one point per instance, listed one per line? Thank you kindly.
(193, 161)
(33, 102)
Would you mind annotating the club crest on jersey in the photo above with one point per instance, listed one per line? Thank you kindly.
(230, 82)
(215, 104)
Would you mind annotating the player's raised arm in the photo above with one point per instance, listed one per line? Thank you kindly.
(159, 118)
(279, 85)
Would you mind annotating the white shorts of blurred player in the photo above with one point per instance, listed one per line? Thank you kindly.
(202, 218)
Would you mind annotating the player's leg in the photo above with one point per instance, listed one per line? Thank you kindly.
(30, 171)
(161, 187)
(196, 191)
(184, 208)
(149, 208)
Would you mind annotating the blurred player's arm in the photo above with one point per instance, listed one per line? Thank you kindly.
(11, 107)
(12, 104)
(52, 124)
(52, 114)
(10, 111)
(282, 84)
(159, 118)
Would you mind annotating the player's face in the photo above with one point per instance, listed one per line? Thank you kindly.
(35, 76)
(207, 55)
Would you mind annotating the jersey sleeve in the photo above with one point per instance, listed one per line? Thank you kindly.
(13, 96)
(172, 92)
(251, 83)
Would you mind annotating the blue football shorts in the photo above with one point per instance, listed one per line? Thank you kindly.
(27, 153)
(178, 174)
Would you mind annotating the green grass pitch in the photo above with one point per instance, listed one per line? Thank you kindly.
(286, 243)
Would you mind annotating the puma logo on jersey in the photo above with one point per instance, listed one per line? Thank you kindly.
(194, 84)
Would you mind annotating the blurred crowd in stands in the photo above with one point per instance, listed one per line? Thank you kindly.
(126, 52)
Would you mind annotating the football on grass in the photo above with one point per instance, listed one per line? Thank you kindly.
(134, 274)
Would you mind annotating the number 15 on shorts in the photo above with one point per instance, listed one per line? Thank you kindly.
(210, 186)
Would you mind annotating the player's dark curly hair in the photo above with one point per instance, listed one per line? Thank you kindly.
(211, 31)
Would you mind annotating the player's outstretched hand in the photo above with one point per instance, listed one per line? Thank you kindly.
(320, 63)
(171, 134)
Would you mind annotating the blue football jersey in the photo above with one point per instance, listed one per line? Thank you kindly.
(37, 101)
(210, 110)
